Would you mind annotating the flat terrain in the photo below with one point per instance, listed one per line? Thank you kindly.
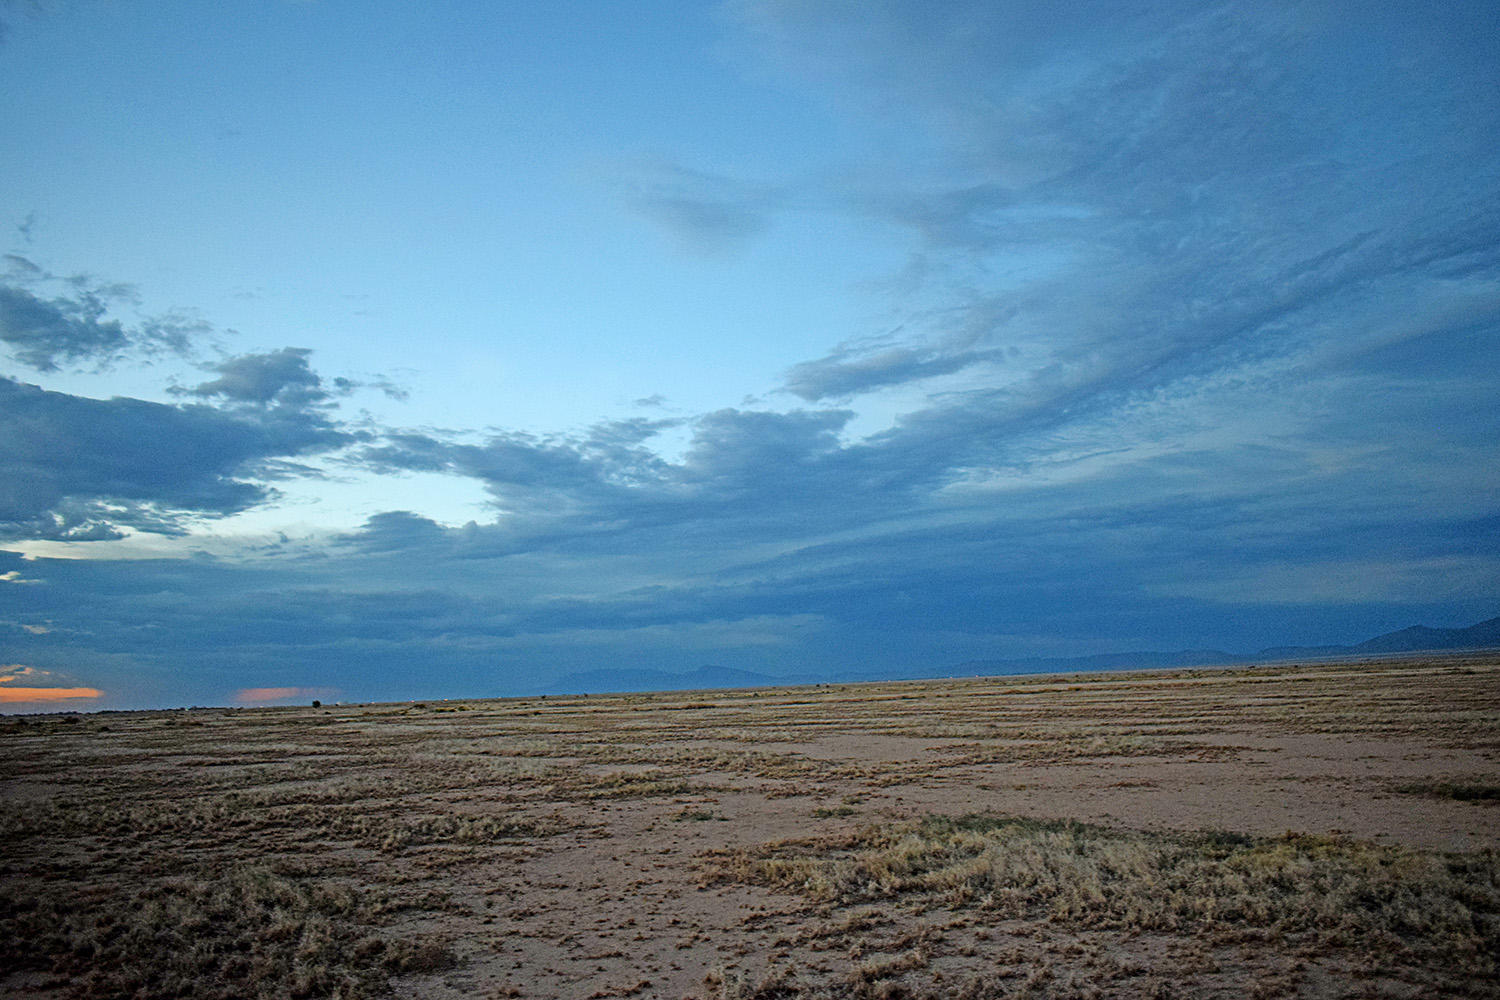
(1317, 831)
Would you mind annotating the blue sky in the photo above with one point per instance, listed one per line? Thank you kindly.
(389, 350)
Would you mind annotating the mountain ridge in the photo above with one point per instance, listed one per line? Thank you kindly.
(1412, 639)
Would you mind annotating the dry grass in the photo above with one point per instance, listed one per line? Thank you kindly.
(1461, 792)
(761, 844)
(248, 932)
(1420, 910)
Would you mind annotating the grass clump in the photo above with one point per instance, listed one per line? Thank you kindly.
(687, 814)
(392, 834)
(248, 933)
(1452, 790)
(1412, 906)
(654, 783)
(220, 817)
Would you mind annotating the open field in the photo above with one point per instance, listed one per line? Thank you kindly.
(1309, 831)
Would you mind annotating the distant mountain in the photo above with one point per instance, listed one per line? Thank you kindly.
(1484, 635)
(1100, 661)
(1418, 637)
(606, 681)
(1299, 653)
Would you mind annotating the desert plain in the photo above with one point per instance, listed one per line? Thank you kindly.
(1292, 830)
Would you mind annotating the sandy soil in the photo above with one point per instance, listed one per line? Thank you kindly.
(566, 847)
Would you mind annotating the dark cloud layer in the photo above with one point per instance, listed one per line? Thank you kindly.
(850, 371)
(49, 322)
(1199, 348)
(44, 334)
(77, 469)
(1211, 183)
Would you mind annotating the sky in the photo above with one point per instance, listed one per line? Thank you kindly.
(374, 351)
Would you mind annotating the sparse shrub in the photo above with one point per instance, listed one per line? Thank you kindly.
(1454, 790)
(1331, 892)
(248, 933)
(695, 815)
(624, 784)
(395, 834)
(828, 812)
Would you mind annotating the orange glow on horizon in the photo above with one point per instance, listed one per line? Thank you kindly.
(257, 696)
(20, 695)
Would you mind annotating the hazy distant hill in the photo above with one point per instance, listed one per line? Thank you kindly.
(1417, 637)
(1101, 661)
(601, 681)
(1483, 635)
(1298, 653)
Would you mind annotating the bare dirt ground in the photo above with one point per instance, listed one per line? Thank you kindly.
(1310, 831)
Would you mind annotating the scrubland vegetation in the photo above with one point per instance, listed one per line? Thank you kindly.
(1323, 831)
(1411, 916)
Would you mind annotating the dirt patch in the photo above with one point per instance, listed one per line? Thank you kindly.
(1303, 831)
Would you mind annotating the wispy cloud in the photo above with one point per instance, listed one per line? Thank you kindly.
(276, 695)
(849, 370)
(703, 212)
(49, 322)
(43, 334)
(81, 469)
(12, 693)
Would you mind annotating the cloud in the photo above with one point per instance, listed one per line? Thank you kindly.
(732, 450)
(278, 377)
(704, 212)
(394, 530)
(22, 269)
(42, 333)
(13, 694)
(273, 695)
(73, 328)
(1205, 332)
(849, 371)
(80, 469)
(281, 378)
(44, 695)
(976, 217)
(177, 332)
(388, 387)
(741, 465)
(1139, 203)
(798, 551)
